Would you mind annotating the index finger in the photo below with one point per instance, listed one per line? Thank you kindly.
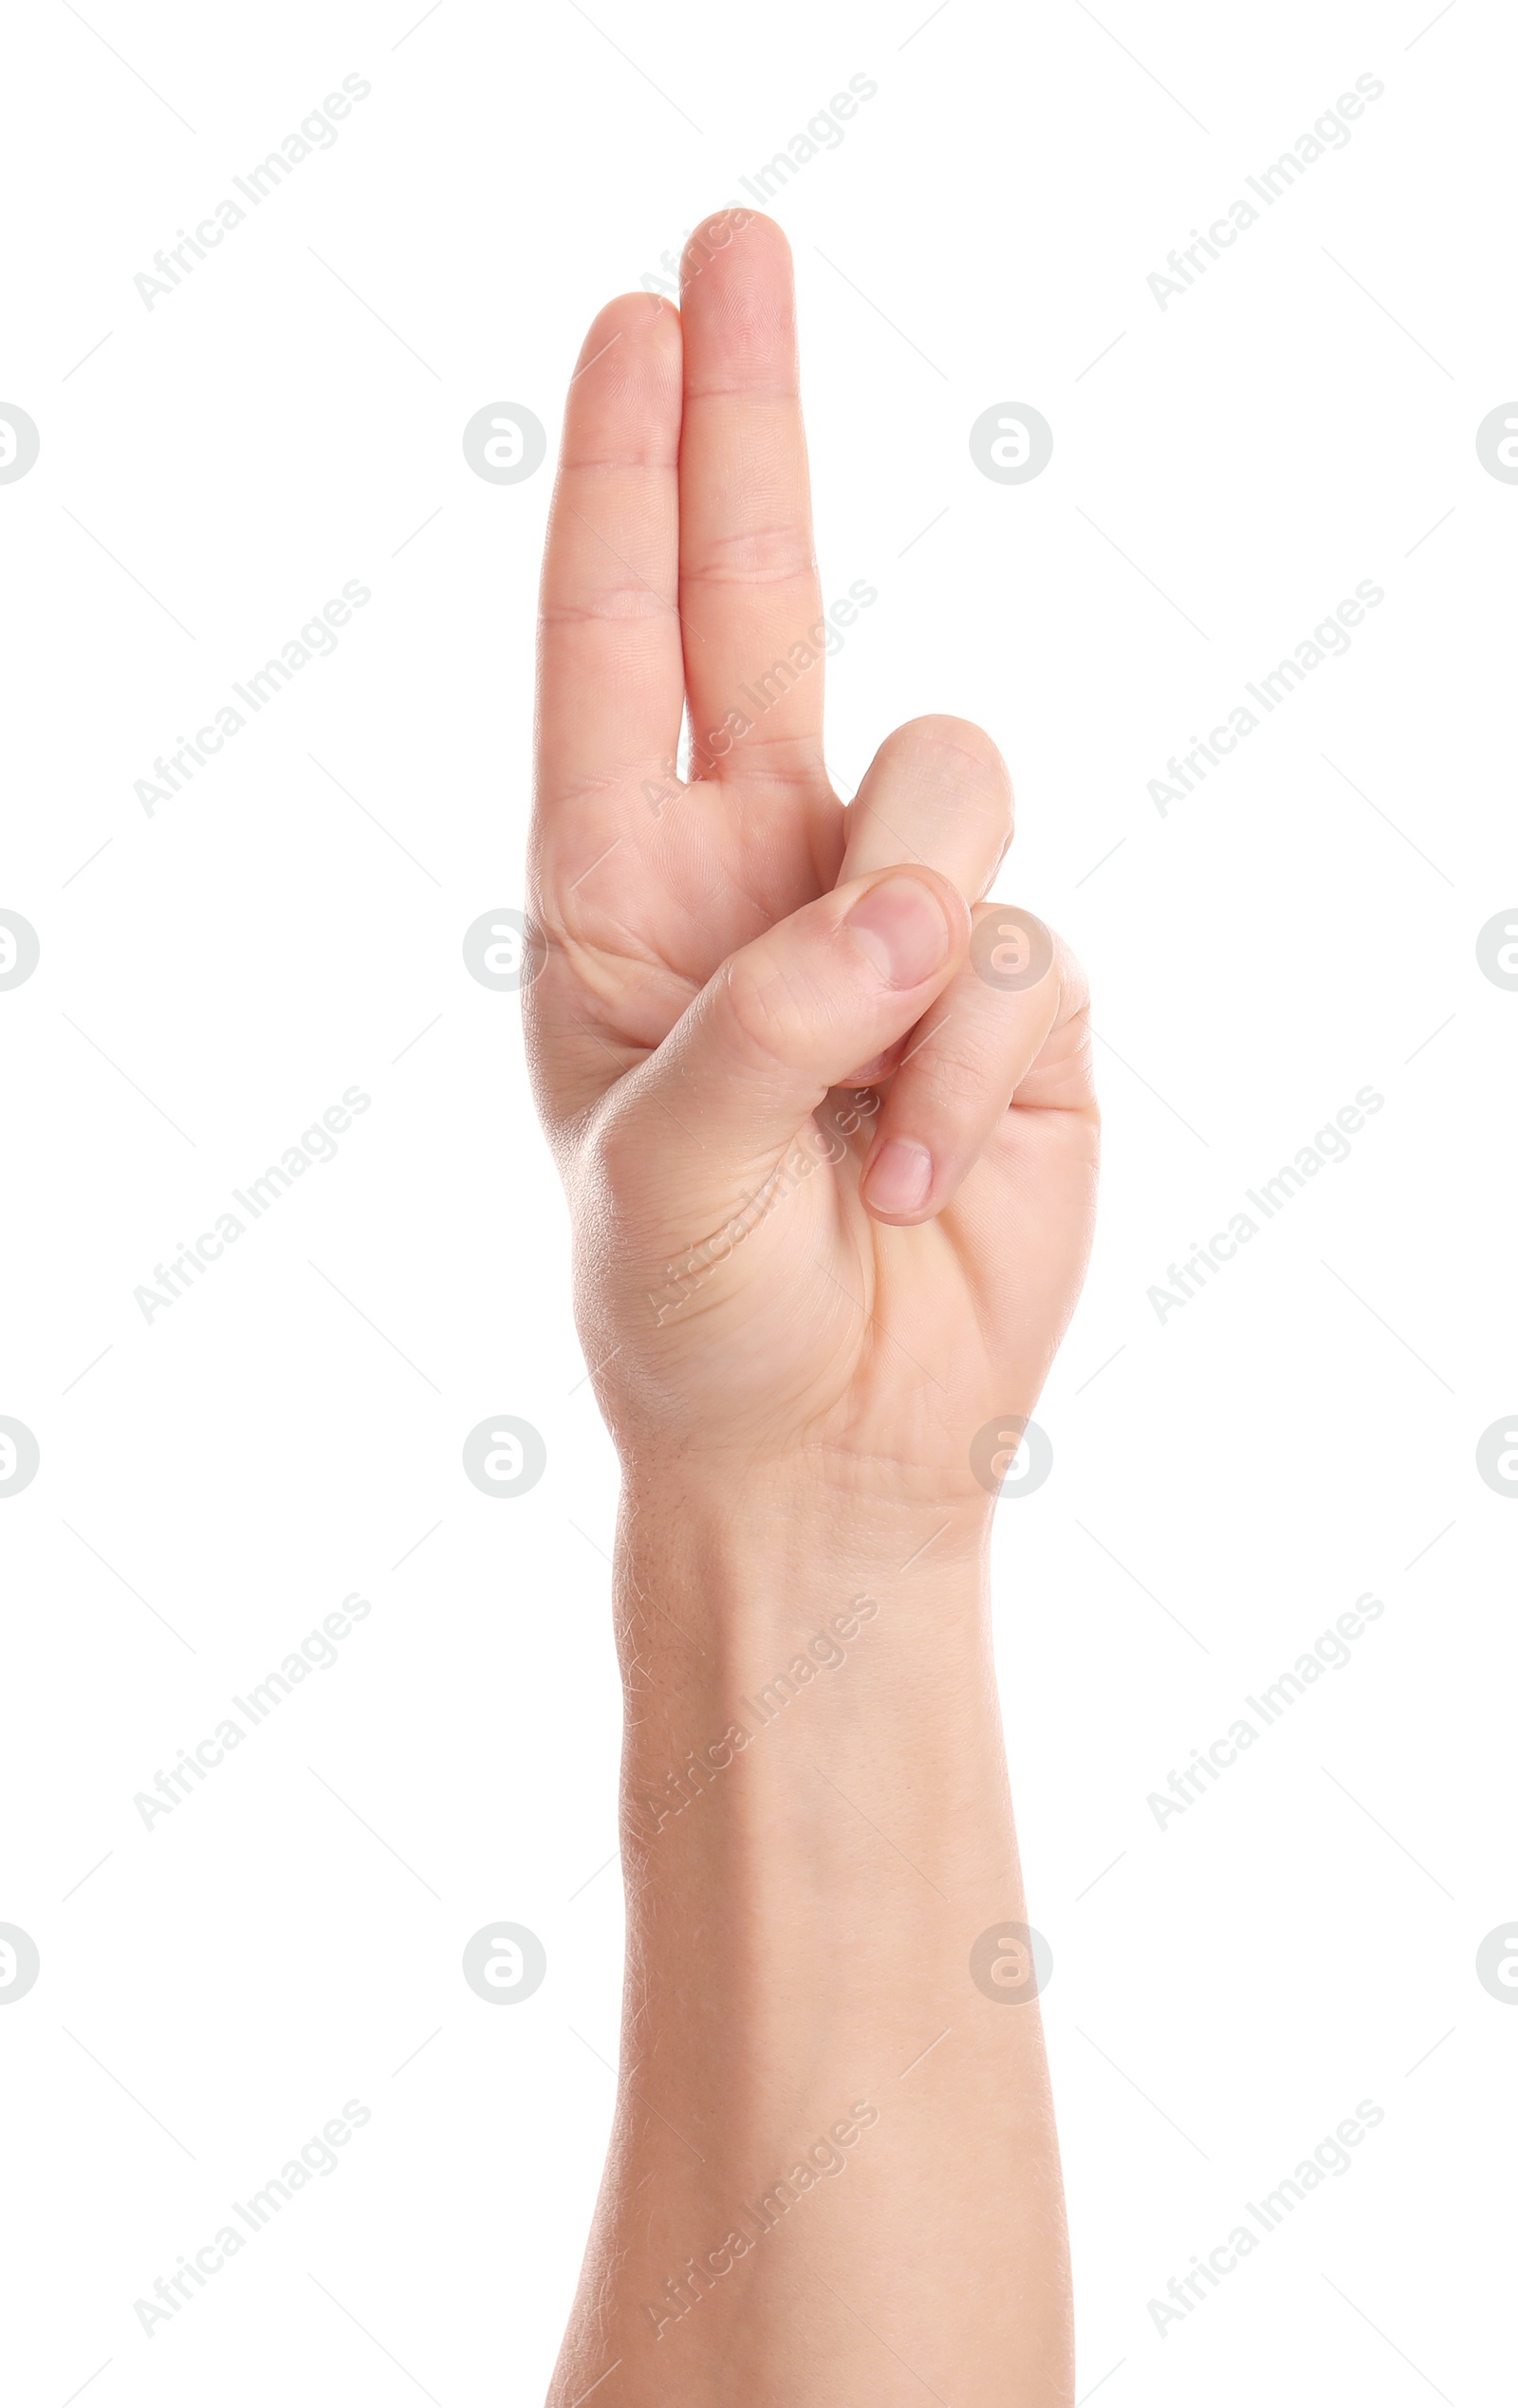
(609, 676)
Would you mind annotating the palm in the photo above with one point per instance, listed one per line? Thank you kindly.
(767, 1291)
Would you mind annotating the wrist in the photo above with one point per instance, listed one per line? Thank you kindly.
(753, 1539)
(770, 1630)
(719, 1584)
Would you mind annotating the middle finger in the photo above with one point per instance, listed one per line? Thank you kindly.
(750, 600)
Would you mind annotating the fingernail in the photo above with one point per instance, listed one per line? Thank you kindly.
(900, 1176)
(900, 929)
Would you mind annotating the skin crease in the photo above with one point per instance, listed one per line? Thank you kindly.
(832, 1194)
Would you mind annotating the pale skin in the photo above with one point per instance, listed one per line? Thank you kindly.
(832, 1192)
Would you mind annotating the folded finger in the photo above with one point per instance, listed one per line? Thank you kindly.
(776, 1027)
(1008, 1027)
(936, 792)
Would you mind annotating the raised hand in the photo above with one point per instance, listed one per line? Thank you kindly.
(832, 1159)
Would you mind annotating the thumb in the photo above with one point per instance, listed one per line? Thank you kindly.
(780, 1023)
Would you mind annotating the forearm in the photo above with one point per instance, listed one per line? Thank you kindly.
(834, 2175)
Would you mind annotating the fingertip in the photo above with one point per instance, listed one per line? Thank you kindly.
(759, 235)
(897, 1182)
(646, 321)
(738, 297)
(942, 733)
(622, 406)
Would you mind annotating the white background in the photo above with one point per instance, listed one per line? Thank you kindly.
(1227, 1481)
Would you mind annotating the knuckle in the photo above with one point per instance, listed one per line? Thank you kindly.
(609, 602)
(753, 556)
(614, 1145)
(765, 1010)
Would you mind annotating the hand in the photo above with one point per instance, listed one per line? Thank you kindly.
(832, 1186)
